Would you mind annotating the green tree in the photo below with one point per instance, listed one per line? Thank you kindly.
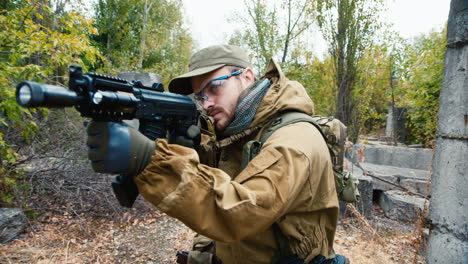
(316, 76)
(379, 82)
(271, 28)
(168, 45)
(30, 49)
(401, 73)
(143, 35)
(425, 73)
(372, 89)
(349, 27)
(111, 20)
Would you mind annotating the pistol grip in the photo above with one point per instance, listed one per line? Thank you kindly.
(125, 190)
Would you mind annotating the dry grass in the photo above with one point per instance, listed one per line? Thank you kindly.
(154, 238)
(378, 241)
(62, 240)
(134, 238)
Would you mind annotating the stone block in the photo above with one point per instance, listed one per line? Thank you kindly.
(449, 194)
(12, 223)
(424, 240)
(415, 185)
(402, 157)
(396, 123)
(344, 209)
(416, 146)
(415, 179)
(400, 206)
(446, 248)
(366, 190)
(384, 185)
(395, 171)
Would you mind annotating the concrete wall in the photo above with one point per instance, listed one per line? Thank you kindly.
(448, 211)
(396, 124)
(401, 157)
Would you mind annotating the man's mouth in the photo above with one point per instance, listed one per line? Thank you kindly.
(214, 114)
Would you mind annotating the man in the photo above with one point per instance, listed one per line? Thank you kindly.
(280, 207)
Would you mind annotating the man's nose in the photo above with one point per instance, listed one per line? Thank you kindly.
(207, 104)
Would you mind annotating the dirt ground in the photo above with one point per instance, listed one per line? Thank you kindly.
(153, 237)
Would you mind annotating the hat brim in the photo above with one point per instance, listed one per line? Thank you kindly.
(182, 83)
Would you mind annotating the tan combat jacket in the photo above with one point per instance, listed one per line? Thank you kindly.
(289, 182)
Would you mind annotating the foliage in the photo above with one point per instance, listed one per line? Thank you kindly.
(317, 78)
(425, 73)
(40, 39)
(402, 73)
(349, 27)
(143, 35)
(261, 34)
(270, 28)
(379, 83)
(35, 44)
(367, 70)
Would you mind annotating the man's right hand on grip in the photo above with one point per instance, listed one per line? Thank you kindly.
(118, 148)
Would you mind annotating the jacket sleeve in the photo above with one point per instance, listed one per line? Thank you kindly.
(207, 200)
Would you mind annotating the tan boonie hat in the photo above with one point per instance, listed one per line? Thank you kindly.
(207, 60)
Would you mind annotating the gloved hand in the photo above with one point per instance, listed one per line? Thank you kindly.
(190, 140)
(203, 251)
(118, 148)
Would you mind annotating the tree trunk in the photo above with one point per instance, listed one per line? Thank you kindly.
(345, 106)
(143, 36)
(108, 47)
(288, 35)
(343, 102)
(448, 212)
(109, 29)
(345, 75)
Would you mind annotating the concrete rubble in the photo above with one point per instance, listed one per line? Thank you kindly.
(401, 206)
(394, 177)
(12, 224)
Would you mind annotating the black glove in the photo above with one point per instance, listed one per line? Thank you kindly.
(118, 148)
(191, 139)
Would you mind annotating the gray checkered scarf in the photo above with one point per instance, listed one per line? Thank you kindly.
(247, 107)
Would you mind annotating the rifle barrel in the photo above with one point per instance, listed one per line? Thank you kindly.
(32, 94)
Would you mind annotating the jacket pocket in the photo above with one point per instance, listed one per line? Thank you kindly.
(263, 161)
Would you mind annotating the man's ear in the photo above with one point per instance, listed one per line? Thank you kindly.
(249, 76)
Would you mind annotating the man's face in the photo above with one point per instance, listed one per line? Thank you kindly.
(220, 97)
